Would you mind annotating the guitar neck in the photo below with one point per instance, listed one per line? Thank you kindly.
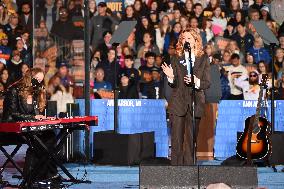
(258, 108)
(262, 86)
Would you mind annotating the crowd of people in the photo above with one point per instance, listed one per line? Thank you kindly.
(15, 42)
(134, 68)
(228, 35)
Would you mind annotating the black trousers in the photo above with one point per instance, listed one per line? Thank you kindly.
(182, 138)
(47, 169)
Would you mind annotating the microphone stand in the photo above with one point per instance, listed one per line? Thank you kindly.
(116, 91)
(272, 106)
(193, 104)
(273, 46)
(188, 49)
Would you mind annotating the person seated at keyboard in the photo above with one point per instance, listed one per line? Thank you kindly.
(25, 100)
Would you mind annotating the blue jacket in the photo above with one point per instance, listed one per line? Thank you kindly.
(5, 52)
(245, 42)
(260, 54)
(225, 87)
(203, 36)
(168, 41)
(102, 85)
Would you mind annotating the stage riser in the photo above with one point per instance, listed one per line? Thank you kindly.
(172, 177)
(277, 156)
(123, 149)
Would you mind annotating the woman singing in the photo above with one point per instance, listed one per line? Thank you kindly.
(25, 101)
(180, 103)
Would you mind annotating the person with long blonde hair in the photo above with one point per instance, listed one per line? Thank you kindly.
(180, 102)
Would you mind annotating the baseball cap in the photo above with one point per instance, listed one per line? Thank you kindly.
(102, 4)
(265, 8)
(63, 64)
(155, 69)
(255, 71)
(123, 74)
(3, 36)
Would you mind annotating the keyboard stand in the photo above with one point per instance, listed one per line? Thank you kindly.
(10, 159)
(37, 145)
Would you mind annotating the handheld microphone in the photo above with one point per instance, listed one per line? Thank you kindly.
(186, 46)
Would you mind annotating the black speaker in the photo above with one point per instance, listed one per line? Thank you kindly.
(123, 149)
(76, 154)
(147, 141)
(277, 155)
(171, 177)
(73, 109)
(51, 109)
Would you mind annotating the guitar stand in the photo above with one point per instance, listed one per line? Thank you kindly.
(37, 146)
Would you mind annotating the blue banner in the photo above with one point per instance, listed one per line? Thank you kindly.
(134, 116)
(231, 118)
(137, 116)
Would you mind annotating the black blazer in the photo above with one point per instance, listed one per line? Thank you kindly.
(129, 92)
(29, 25)
(180, 100)
(15, 108)
(42, 12)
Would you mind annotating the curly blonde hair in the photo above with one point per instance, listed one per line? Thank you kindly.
(198, 47)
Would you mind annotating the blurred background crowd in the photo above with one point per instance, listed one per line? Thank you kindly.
(50, 34)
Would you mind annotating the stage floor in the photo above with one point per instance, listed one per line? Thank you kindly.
(127, 177)
(116, 177)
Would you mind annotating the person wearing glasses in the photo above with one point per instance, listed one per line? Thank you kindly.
(13, 29)
(249, 85)
(64, 27)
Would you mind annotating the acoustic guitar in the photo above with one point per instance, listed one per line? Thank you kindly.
(254, 143)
